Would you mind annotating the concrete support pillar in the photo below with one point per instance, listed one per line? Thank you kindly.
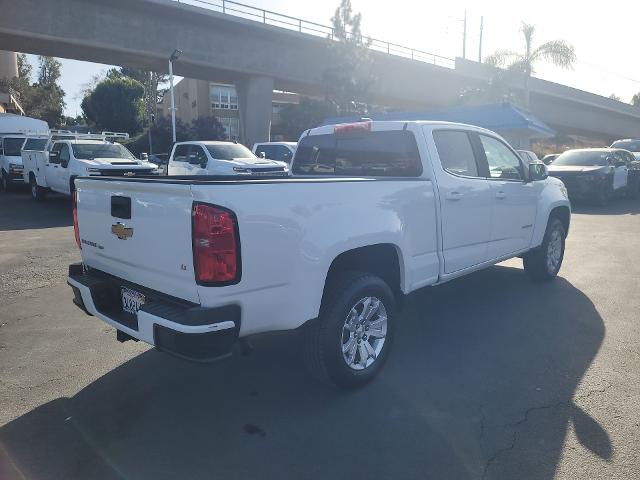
(8, 64)
(255, 102)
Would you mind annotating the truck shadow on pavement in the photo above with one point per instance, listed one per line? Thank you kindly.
(481, 384)
(21, 212)
(618, 206)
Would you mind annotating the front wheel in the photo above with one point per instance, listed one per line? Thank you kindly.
(38, 193)
(350, 341)
(543, 263)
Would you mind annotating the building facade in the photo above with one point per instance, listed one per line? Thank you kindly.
(196, 99)
(9, 102)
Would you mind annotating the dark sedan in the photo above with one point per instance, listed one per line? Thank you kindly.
(595, 174)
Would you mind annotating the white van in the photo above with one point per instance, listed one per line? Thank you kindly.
(13, 133)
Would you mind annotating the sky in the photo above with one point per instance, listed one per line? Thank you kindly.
(605, 36)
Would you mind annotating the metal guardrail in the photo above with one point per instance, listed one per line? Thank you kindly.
(268, 17)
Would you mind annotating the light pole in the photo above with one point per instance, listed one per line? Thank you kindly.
(174, 56)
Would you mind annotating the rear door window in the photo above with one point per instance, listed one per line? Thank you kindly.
(456, 153)
(383, 154)
(181, 153)
(55, 149)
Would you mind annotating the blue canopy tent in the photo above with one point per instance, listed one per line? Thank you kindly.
(515, 124)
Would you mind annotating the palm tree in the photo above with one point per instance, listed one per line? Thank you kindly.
(558, 52)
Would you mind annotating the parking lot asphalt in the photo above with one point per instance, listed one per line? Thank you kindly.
(491, 376)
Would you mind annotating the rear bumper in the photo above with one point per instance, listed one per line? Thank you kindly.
(171, 325)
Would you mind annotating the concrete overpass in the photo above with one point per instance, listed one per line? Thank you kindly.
(259, 57)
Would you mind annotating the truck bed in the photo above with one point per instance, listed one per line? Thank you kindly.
(290, 230)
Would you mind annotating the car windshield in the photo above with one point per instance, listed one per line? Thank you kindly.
(587, 158)
(13, 146)
(631, 145)
(89, 151)
(230, 151)
(37, 144)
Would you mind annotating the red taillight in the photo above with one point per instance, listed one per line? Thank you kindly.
(216, 249)
(74, 203)
(352, 127)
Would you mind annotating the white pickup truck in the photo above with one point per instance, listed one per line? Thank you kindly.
(374, 211)
(54, 165)
(220, 158)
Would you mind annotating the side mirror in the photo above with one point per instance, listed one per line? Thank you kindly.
(537, 171)
(53, 156)
(144, 157)
(263, 155)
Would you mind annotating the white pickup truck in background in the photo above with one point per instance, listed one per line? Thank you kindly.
(55, 164)
(220, 158)
(374, 211)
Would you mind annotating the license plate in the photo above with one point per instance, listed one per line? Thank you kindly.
(132, 301)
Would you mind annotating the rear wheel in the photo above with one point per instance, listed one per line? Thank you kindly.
(38, 193)
(543, 263)
(350, 341)
(4, 181)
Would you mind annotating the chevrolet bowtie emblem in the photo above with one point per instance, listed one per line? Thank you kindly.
(120, 231)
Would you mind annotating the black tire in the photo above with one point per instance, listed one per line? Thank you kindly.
(325, 336)
(536, 262)
(38, 193)
(4, 181)
(605, 193)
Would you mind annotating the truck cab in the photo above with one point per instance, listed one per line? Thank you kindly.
(65, 157)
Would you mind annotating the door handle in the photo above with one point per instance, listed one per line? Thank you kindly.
(453, 196)
(500, 195)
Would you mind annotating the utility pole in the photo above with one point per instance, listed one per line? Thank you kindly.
(464, 36)
(174, 56)
(151, 105)
(480, 47)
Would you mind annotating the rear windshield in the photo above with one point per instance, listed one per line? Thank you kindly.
(631, 145)
(89, 151)
(384, 154)
(229, 152)
(13, 146)
(586, 158)
(35, 144)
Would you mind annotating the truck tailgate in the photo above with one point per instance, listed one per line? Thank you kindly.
(152, 247)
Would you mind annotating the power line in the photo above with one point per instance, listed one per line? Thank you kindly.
(603, 69)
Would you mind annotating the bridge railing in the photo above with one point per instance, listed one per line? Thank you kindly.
(269, 17)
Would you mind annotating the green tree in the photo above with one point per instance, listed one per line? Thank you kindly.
(635, 100)
(47, 97)
(349, 80)
(115, 104)
(43, 99)
(615, 97)
(207, 128)
(557, 52)
(296, 118)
